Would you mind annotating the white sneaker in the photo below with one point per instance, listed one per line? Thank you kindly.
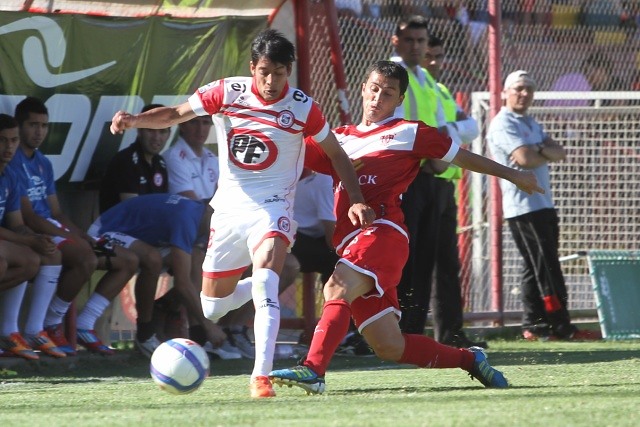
(225, 352)
(241, 341)
(149, 346)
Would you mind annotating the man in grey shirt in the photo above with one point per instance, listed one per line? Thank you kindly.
(517, 140)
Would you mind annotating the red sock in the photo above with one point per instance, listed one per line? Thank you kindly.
(330, 331)
(425, 352)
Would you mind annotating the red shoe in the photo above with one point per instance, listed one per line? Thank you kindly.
(89, 340)
(43, 343)
(16, 345)
(56, 334)
(586, 335)
(260, 387)
(532, 336)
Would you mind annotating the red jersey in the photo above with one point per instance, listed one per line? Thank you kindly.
(386, 156)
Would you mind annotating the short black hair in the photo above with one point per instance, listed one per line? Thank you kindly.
(412, 22)
(434, 41)
(274, 46)
(27, 106)
(7, 122)
(390, 70)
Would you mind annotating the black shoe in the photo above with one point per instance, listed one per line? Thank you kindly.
(460, 340)
(354, 345)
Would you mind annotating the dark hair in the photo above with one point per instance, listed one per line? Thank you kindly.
(597, 59)
(390, 70)
(271, 44)
(29, 105)
(7, 122)
(412, 22)
(434, 41)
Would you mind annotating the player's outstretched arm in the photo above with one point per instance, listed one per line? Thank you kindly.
(524, 180)
(157, 118)
(359, 213)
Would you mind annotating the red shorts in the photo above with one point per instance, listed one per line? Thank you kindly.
(380, 251)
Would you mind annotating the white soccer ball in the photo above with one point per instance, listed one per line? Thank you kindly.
(179, 366)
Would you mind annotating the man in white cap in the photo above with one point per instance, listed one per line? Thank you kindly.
(517, 140)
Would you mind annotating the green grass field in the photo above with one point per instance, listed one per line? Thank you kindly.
(553, 384)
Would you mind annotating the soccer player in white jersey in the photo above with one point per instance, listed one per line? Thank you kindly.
(386, 151)
(264, 125)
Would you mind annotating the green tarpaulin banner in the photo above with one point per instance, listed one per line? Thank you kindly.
(86, 68)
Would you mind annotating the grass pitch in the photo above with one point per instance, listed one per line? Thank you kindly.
(553, 384)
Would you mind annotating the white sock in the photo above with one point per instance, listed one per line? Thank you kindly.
(11, 303)
(42, 290)
(57, 309)
(95, 306)
(215, 308)
(267, 319)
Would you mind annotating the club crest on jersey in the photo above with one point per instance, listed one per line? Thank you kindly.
(284, 224)
(251, 149)
(386, 139)
(285, 119)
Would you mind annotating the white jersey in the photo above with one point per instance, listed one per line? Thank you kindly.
(314, 204)
(188, 172)
(260, 144)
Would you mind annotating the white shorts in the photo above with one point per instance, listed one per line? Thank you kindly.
(234, 238)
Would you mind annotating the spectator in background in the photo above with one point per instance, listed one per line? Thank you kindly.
(161, 229)
(21, 255)
(138, 169)
(517, 140)
(442, 255)
(193, 168)
(595, 75)
(42, 213)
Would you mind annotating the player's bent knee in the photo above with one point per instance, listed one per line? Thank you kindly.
(214, 308)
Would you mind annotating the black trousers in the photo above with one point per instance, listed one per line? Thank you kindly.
(430, 212)
(314, 255)
(536, 235)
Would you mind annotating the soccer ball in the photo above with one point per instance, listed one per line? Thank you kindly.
(179, 366)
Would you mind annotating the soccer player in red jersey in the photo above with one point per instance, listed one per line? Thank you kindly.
(386, 152)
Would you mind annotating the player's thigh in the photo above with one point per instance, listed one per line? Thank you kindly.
(383, 334)
(77, 252)
(150, 258)
(19, 256)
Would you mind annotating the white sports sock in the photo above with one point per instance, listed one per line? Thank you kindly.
(57, 309)
(11, 303)
(214, 308)
(42, 290)
(95, 306)
(267, 319)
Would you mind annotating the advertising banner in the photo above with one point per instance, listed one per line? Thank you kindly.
(86, 68)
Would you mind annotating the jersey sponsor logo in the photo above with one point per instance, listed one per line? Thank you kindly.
(157, 179)
(284, 224)
(251, 150)
(300, 96)
(274, 199)
(285, 119)
(238, 87)
(367, 179)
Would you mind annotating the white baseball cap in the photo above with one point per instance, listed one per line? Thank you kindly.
(519, 76)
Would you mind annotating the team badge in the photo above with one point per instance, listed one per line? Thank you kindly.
(284, 224)
(285, 119)
(251, 149)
